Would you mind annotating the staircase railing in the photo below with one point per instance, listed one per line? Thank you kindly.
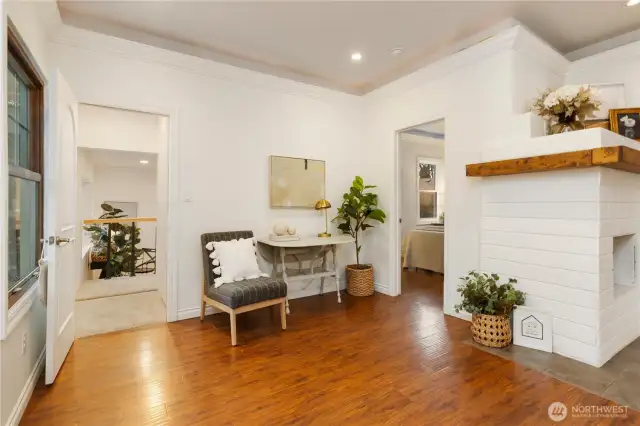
(133, 257)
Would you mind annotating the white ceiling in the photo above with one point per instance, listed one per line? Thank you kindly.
(312, 41)
(115, 158)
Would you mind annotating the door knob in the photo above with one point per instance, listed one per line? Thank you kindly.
(62, 241)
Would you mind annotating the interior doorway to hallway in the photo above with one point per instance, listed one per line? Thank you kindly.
(421, 194)
(121, 206)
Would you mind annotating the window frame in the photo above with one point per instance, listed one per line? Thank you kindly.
(20, 61)
(439, 189)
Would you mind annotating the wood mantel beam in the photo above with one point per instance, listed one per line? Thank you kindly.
(615, 157)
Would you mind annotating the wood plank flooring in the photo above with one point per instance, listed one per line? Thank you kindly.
(369, 361)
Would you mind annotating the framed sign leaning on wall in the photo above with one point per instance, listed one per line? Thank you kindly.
(532, 329)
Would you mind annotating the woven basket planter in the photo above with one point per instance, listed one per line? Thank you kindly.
(98, 257)
(360, 281)
(493, 331)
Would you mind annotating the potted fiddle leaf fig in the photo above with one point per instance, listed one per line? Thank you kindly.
(359, 207)
(490, 305)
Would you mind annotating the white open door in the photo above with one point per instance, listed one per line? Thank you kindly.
(60, 224)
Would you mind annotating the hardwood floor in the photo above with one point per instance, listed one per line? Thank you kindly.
(369, 361)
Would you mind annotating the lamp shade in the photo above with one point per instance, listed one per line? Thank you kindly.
(322, 204)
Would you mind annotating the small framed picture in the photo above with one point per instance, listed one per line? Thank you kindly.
(532, 329)
(625, 122)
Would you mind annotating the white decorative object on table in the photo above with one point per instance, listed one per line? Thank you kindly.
(280, 229)
(291, 230)
(532, 329)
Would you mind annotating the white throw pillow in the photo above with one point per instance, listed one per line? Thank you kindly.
(237, 260)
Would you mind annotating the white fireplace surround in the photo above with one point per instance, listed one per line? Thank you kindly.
(565, 235)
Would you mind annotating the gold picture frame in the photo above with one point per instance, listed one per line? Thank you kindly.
(630, 117)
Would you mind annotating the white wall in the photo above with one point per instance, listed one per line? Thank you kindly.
(413, 147)
(128, 184)
(111, 128)
(619, 65)
(19, 371)
(227, 121)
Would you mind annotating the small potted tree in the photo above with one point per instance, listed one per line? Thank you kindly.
(490, 305)
(358, 207)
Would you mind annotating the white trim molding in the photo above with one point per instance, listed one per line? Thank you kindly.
(18, 311)
(27, 391)
(382, 288)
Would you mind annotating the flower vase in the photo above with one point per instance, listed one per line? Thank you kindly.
(567, 124)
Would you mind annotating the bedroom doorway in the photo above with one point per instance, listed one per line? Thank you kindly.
(421, 192)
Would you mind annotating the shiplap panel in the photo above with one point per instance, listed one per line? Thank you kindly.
(554, 243)
(573, 262)
(618, 227)
(574, 279)
(573, 296)
(556, 210)
(577, 314)
(572, 348)
(572, 228)
(579, 332)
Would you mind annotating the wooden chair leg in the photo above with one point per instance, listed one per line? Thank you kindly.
(283, 315)
(233, 328)
(203, 306)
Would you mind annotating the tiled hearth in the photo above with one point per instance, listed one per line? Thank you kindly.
(617, 380)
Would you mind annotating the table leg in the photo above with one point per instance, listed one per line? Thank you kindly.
(335, 271)
(274, 262)
(324, 268)
(284, 277)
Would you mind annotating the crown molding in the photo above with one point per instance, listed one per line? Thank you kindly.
(495, 40)
(105, 44)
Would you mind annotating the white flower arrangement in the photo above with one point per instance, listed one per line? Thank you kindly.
(567, 107)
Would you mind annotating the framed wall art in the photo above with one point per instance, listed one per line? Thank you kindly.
(296, 182)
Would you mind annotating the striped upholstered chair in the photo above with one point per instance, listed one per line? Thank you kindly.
(240, 296)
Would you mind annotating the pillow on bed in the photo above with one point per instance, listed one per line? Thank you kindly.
(237, 259)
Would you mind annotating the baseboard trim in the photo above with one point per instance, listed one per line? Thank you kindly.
(188, 313)
(382, 288)
(27, 391)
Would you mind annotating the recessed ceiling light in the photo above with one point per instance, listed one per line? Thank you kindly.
(398, 50)
(632, 2)
(144, 161)
(357, 56)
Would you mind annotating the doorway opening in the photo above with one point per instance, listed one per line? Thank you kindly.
(421, 193)
(121, 206)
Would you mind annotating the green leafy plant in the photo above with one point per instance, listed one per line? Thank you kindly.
(121, 260)
(358, 206)
(482, 294)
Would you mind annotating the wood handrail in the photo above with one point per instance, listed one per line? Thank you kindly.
(119, 220)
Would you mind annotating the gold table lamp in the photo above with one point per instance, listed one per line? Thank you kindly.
(324, 205)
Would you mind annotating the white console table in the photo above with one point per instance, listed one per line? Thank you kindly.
(306, 249)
